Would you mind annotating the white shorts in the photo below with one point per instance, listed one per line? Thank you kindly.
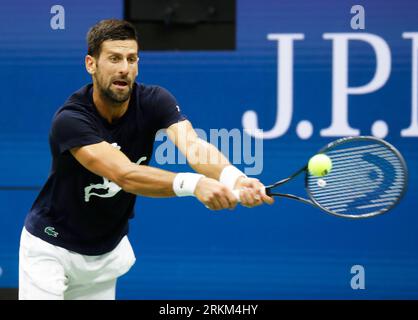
(48, 272)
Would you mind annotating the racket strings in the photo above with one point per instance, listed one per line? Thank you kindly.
(367, 178)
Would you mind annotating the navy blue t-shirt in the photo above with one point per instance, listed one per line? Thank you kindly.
(76, 209)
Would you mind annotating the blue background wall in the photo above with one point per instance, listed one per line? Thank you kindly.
(183, 250)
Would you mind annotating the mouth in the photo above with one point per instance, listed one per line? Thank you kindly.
(120, 84)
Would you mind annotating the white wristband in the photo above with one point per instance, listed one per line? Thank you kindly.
(230, 175)
(185, 183)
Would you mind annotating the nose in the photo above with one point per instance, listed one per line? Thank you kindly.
(124, 67)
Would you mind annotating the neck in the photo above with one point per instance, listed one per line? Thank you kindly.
(108, 109)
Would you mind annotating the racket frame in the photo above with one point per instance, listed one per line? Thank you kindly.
(313, 202)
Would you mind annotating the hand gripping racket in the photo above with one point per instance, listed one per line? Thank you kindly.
(368, 178)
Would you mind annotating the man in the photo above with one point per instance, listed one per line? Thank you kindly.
(74, 243)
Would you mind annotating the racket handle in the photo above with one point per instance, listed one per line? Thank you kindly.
(236, 194)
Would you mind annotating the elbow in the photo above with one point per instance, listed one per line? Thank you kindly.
(123, 178)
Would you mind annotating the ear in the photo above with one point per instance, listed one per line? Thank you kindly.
(90, 63)
(137, 68)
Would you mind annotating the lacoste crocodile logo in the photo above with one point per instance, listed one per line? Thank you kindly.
(50, 231)
(110, 187)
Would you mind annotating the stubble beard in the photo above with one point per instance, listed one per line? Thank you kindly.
(113, 97)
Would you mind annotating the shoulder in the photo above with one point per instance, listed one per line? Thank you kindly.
(82, 96)
(71, 113)
(77, 110)
(152, 95)
(73, 125)
(158, 105)
(78, 105)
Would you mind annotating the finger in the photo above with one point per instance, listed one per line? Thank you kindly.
(249, 197)
(212, 207)
(244, 199)
(267, 199)
(258, 191)
(257, 196)
(223, 201)
(209, 205)
(257, 199)
(264, 197)
(231, 198)
(212, 204)
(216, 204)
(257, 187)
(261, 189)
(254, 183)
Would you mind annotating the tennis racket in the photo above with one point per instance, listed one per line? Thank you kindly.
(368, 178)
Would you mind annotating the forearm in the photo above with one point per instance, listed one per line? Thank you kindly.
(147, 181)
(104, 160)
(204, 158)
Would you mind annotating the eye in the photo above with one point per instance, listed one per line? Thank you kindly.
(132, 60)
(113, 59)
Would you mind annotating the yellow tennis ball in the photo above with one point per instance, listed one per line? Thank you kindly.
(319, 165)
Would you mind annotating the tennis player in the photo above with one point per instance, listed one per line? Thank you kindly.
(74, 243)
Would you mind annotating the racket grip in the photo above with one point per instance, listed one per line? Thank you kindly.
(236, 194)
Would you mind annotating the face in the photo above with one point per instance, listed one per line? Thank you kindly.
(115, 70)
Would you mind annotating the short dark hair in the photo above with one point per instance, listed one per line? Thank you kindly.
(110, 29)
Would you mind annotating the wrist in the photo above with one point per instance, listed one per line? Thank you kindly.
(184, 183)
(230, 175)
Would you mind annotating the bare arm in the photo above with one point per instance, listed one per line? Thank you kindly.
(202, 156)
(106, 161)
